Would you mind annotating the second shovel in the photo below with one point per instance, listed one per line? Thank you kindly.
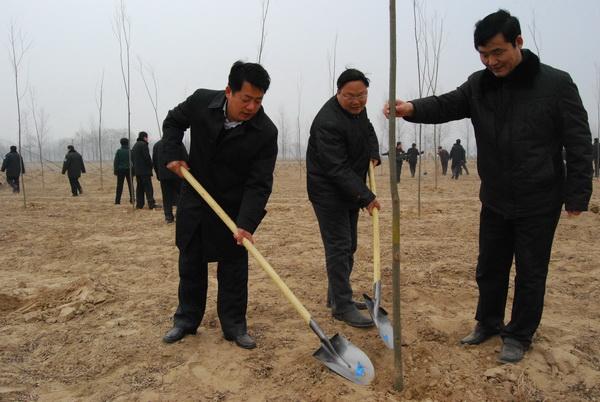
(378, 313)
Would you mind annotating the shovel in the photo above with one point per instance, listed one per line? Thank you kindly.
(337, 353)
(379, 315)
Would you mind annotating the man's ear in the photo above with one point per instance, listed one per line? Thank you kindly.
(519, 41)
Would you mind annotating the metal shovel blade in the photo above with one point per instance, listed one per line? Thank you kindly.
(344, 358)
(380, 317)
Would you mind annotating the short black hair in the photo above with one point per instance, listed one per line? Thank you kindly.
(458, 141)
(499, 22)
(124, 141)
(13, 148)
(70, 147)
(253, 73)
(351, 74)
(142, 135)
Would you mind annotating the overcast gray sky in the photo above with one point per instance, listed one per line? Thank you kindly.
(192, 44)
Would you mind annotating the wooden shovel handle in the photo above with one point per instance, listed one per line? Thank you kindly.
(249, 246)
(375, 220)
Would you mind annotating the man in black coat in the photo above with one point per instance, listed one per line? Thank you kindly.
(400, 156)
(342, 143)
(170, 183)
(13, 166)
(459, 158)
(142, 169)
(233, 149)
(444, 158)
(524, 113)
(74, 167)
(412, 155)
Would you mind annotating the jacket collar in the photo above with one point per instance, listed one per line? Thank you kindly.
(522, 74)
(219, 101)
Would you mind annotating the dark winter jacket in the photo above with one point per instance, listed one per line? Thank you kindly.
(121, 159)
(400, 156)
(11, 164)
(521, 123)
(140, 157)
(73, 164)
(458, 155)
(444, 155)
(235, 166)
(340, 148)
(412, 155)
(160, 168)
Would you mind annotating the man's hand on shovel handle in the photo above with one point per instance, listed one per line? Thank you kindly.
(241, 235)
(373, 204)
(175, 167)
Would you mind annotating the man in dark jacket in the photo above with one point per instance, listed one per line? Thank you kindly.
(400, 156)
(459, 157)
(233, 149)
(74, 167)
(523, 113)
(121, 170)
(142, 169)
(170, 183)
(596, 157)
(342, 143)
(412, 155)
(13, 166)
(444, 158)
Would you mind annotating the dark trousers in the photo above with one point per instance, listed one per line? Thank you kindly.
(232, 297)
(13, 181)
(123, 175)
(529, 240)
(144, 186)
(413, 167)
(75, 186)
(398, 171)
(170, 193)
(444, 167)
(456, 171)
(596, 168)
(338, 228)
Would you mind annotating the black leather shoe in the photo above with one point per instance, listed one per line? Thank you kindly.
(177, 333)
(479, 335)
(512, 351)
(243, 341)
(169, 219)
(354, 318)
(359, 305)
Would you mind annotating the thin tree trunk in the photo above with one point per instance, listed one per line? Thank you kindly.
(398, 376)
(100, 129)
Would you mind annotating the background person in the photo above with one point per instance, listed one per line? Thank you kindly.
(74, 167)
(13, 166)
(142, 169)
(121, 170)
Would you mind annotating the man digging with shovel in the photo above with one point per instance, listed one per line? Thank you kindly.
(342, 143)
(233, 149)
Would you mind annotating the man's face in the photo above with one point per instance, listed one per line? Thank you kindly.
(352, 97)
(499, 56)
(245, 103)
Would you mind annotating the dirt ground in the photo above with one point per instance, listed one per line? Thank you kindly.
(89, 288)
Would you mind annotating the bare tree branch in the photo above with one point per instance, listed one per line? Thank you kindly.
(263, 34)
